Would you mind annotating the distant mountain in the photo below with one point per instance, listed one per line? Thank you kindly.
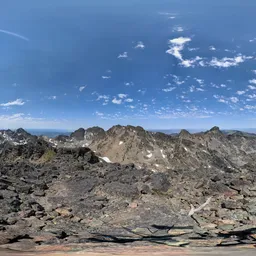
(213, 149)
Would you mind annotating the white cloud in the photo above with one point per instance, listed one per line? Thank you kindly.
(106, 77)
(18, 102)
(176, 45)
(234, 99)
(221, 100)
(178, 29)
(252, 87)
(212, 48)
(52, 98)
(129, 84)
(123, 55)
(81, 88)
(140, 45)
(117, 101)
(170, 89)
(250, 107)
(240, 92)
(180, 40)
(192, 88)
(22, 120)
(254, 71)
(122, 96)
(228, 62)
(142, 91)
(104, 97)
(252, 40)
(129, 100)
(252, 96)
(253, 81)
(193, 49)
(200, 81)
(190, 63)
(99, 113)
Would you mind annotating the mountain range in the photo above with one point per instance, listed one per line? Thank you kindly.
(127, 184)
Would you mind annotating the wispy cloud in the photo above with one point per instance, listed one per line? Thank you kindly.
(52, 97)
(176, 45)
(18, 102)
(169, 89)
(140, 45)
(228, 62)
(252, 87)
(106, 77)
(234, 99)
(240, 92)
(117, 101)
(122, 96)
(178, 29)
(129, 100)
(14, 34)
(81, 88)
(123, 55)
(253, 81)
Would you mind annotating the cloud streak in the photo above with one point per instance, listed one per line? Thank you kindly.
(14, 34)
(18, 102)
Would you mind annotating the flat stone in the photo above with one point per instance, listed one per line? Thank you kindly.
(142, 231)
(35, 223)
(227, 222)
(209, 226)
(179, 232)
(205, 242)
(64, 212)
(226, 227)
(42, 237)
(245, 227)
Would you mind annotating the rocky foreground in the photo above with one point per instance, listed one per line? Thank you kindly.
(60, 195)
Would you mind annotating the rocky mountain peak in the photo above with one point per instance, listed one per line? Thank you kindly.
(215, 130)
(22, 131)
(78, 134)
(184, 134)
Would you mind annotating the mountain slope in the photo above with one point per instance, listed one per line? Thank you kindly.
(160, 152)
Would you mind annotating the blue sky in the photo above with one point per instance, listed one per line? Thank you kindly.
(156, 63)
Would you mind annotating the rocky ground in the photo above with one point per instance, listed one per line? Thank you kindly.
(60, 196)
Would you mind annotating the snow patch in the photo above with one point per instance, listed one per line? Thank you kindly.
(149, 155)
(106, 159)
(163, 155)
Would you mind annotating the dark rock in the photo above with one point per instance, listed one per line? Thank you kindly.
(159, 182)
(78, 134)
